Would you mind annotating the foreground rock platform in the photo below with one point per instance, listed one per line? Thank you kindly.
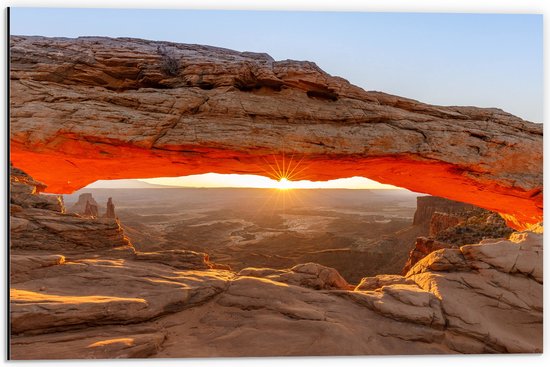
(448, 303)
(101, 108)
(88, 300)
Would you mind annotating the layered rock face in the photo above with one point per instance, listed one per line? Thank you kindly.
(427, 206)
(449, 224)
(99, 108)
(24, 193)
(39, 222)
(102, 299)
(472, 228)
(443, 221)
(458, 223)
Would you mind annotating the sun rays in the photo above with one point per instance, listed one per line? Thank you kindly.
(287, 174)
(285, 171)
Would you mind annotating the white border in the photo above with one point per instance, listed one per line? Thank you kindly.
(432, 6)
(448, 6)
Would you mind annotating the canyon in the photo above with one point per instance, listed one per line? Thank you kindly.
(96, 108)
(357, 232)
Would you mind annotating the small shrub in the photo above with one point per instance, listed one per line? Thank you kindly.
(169, 63)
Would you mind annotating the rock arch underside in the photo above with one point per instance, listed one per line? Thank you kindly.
(99, 108)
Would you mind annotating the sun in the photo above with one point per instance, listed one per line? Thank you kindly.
(283, 184)
(284, 172)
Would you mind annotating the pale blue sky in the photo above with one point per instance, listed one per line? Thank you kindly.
(449, 59)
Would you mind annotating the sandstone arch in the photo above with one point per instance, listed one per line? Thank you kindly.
(98, 108)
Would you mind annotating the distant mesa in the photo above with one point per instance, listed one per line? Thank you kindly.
(84, 203)
(88, 207)
(91, 210)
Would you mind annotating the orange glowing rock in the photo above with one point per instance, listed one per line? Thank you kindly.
(100, 108)
(127, 342)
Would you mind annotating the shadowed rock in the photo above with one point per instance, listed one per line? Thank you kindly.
(443, 221)
(122, 342)
(309, 275)
(24, 193)
(379, 281)
(84, 201)
(180, 259)
(427, 206)
(90, 210)
(423, 247)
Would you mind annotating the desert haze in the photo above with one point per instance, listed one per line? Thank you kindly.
(358, 232)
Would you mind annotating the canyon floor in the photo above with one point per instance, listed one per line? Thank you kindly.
(357, 232)
(81, 289)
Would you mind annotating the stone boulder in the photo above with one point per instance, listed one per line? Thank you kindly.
(103, 292)
(308, 275)
(179, 259)
(490, 292)
(422, 247)
(379, 281)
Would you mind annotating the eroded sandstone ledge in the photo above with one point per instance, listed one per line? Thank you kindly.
(98, 108)
(83, 291)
